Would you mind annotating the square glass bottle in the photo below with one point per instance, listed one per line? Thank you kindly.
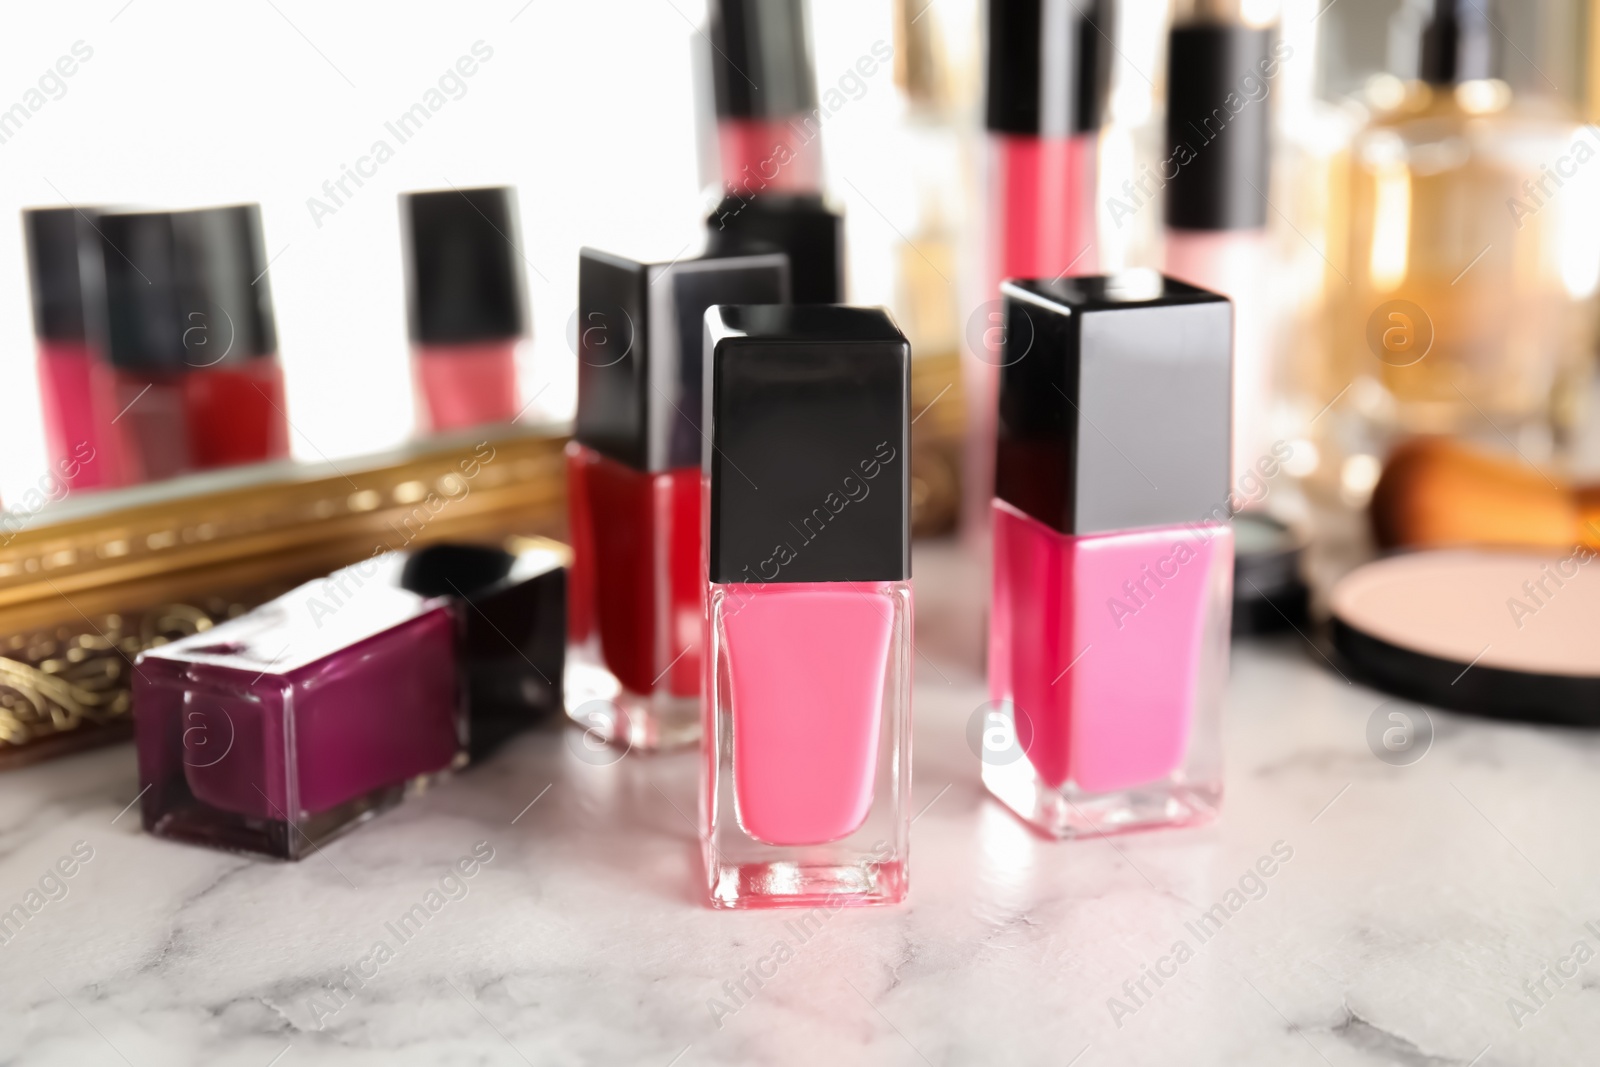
(633, 488)
(1113, 557)
(808, 647)
(276, 731)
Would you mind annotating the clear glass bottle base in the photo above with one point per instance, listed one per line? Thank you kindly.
(604, 707)
(1070, 812)
(799, 884)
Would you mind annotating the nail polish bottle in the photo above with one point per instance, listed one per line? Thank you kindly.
(275, 731)
(75, 383)
(1220, 75)
(511, 613)
(634, 489)
(1048, 77)
(1113, 557)
(468, 311)
(808, 644)
(189, 331)
(769, 145)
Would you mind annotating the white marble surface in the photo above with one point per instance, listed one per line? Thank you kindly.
(1417, 901)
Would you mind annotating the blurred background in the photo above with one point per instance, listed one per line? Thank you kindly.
(1415, 159)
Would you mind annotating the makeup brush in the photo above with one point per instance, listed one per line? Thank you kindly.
(1435, 491)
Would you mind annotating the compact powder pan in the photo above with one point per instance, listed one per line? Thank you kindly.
(1514, 634)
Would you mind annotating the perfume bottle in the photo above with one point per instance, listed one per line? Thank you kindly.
(808, 621)
(1048, 75)
(634, 490)
(468, 311)
(277, 730)
(188, 327)
(1220, 74)
(1113, 557)
(75, 382)
(1471, 256)
(769, 144)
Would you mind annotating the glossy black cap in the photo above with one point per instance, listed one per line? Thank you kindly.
(1459, 43)
(807, 444)
(513, 618)
(802, 227)
(641, 328)
(185, 290)
(56, 237)
(1114, 402)
(463, 273)
(1048, 70)
(1220, 155)
(761, 64)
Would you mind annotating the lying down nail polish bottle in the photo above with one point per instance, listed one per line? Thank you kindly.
(633, 485)
(280, 729)
(808, 646)
(1113, 557)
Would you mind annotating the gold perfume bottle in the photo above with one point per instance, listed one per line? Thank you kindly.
(1462, 302)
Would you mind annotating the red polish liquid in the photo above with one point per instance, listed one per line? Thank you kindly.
(236, 414)
(635, 601)
(769, 155)
(466, 385)
(79, 398)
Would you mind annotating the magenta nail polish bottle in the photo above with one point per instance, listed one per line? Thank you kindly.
(1113, 557)
(808, 643)
(275, 731)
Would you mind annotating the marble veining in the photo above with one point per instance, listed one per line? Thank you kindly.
(1421, 904)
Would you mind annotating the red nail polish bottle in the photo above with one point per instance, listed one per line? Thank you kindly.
(75, 383)
(769, 145)
(468, 313)
(634, 492)
(189, 330)
(1048, 80)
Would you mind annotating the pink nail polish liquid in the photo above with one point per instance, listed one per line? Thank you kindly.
(808, 621)
(1113, 556)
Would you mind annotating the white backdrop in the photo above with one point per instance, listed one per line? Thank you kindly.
(586, 107)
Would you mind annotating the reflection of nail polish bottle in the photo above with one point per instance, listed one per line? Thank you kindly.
(808, 647)
(1048, 76)
(1216, 197)
(189, 330)
(277, 730)
(75, 384)
(512, 614)
(464, 288)
(633, 488)
(769, 145)
(1113, 557)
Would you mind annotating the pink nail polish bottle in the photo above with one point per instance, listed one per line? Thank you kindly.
(1047, 80)
(468, 311)
(1113, 557)
(808, 644)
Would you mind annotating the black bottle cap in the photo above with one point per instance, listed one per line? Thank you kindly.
(56, 238)
(1114, 402)
(1269, 593)
(513, 615)
(761, 59)
(1218, 120)
(640, 332)
(1049, 65)
(1459, 43)
(807, 444)
(801, 226)
(463, 272)
(185, 290)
